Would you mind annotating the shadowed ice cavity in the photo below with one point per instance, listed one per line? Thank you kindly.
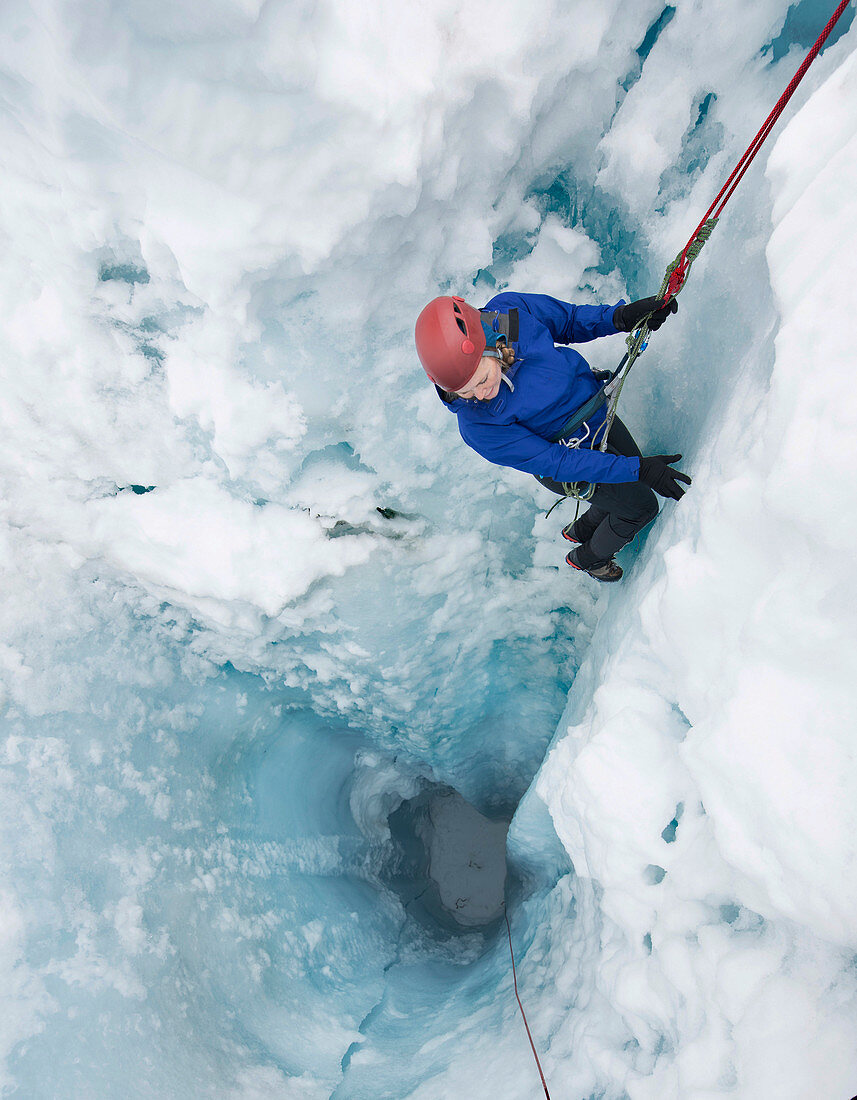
(454, 860)
(395, 830)
(404, 910)
(646, 46)
(248, 873)
(803, 24)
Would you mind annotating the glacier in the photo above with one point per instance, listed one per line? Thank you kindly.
(294, 688)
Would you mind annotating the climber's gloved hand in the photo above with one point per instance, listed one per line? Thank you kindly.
(631, 315)
(655, 472)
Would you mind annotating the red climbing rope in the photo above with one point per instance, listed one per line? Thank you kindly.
(521, 1007)
(679, 274)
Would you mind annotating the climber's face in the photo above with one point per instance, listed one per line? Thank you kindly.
(485, 382)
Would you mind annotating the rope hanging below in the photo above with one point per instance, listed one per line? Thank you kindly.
(523, 1014)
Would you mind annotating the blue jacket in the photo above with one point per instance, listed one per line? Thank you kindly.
(550, 384)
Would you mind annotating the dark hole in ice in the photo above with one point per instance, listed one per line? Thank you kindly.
(647, 45)
(123, 273)
(151, 352)
(654, 874)
(452, 866)
(669, 832)
(803, 24)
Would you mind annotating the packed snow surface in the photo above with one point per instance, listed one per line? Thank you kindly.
(261, 606)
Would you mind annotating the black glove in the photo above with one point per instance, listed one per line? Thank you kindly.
(630, 316)
(656, 473)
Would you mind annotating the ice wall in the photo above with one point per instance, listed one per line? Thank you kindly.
(704, 776)
(256, 593)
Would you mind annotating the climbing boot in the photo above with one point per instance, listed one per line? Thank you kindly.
(607, 571)
(568, 533)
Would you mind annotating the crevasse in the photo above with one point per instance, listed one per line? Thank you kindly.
(261, 607)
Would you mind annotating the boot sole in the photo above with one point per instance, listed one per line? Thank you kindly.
(601, 580)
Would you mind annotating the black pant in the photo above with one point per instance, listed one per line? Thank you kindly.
(616, 512)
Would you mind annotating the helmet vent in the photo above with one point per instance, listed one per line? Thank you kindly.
(461, 325)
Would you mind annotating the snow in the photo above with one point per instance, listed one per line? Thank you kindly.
(259, 600)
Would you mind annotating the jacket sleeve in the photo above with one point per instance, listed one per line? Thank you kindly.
(514, 445)
(567, 323)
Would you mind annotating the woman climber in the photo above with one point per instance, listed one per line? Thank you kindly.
(523, 402)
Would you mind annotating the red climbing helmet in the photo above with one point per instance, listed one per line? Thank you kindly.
(450, 341)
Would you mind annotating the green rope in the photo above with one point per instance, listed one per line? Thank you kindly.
(689, 254)
(555, 504)
(571, 490)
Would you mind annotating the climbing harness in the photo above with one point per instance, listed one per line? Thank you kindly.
(678, 271)
(569, 437)
(523, 1014)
